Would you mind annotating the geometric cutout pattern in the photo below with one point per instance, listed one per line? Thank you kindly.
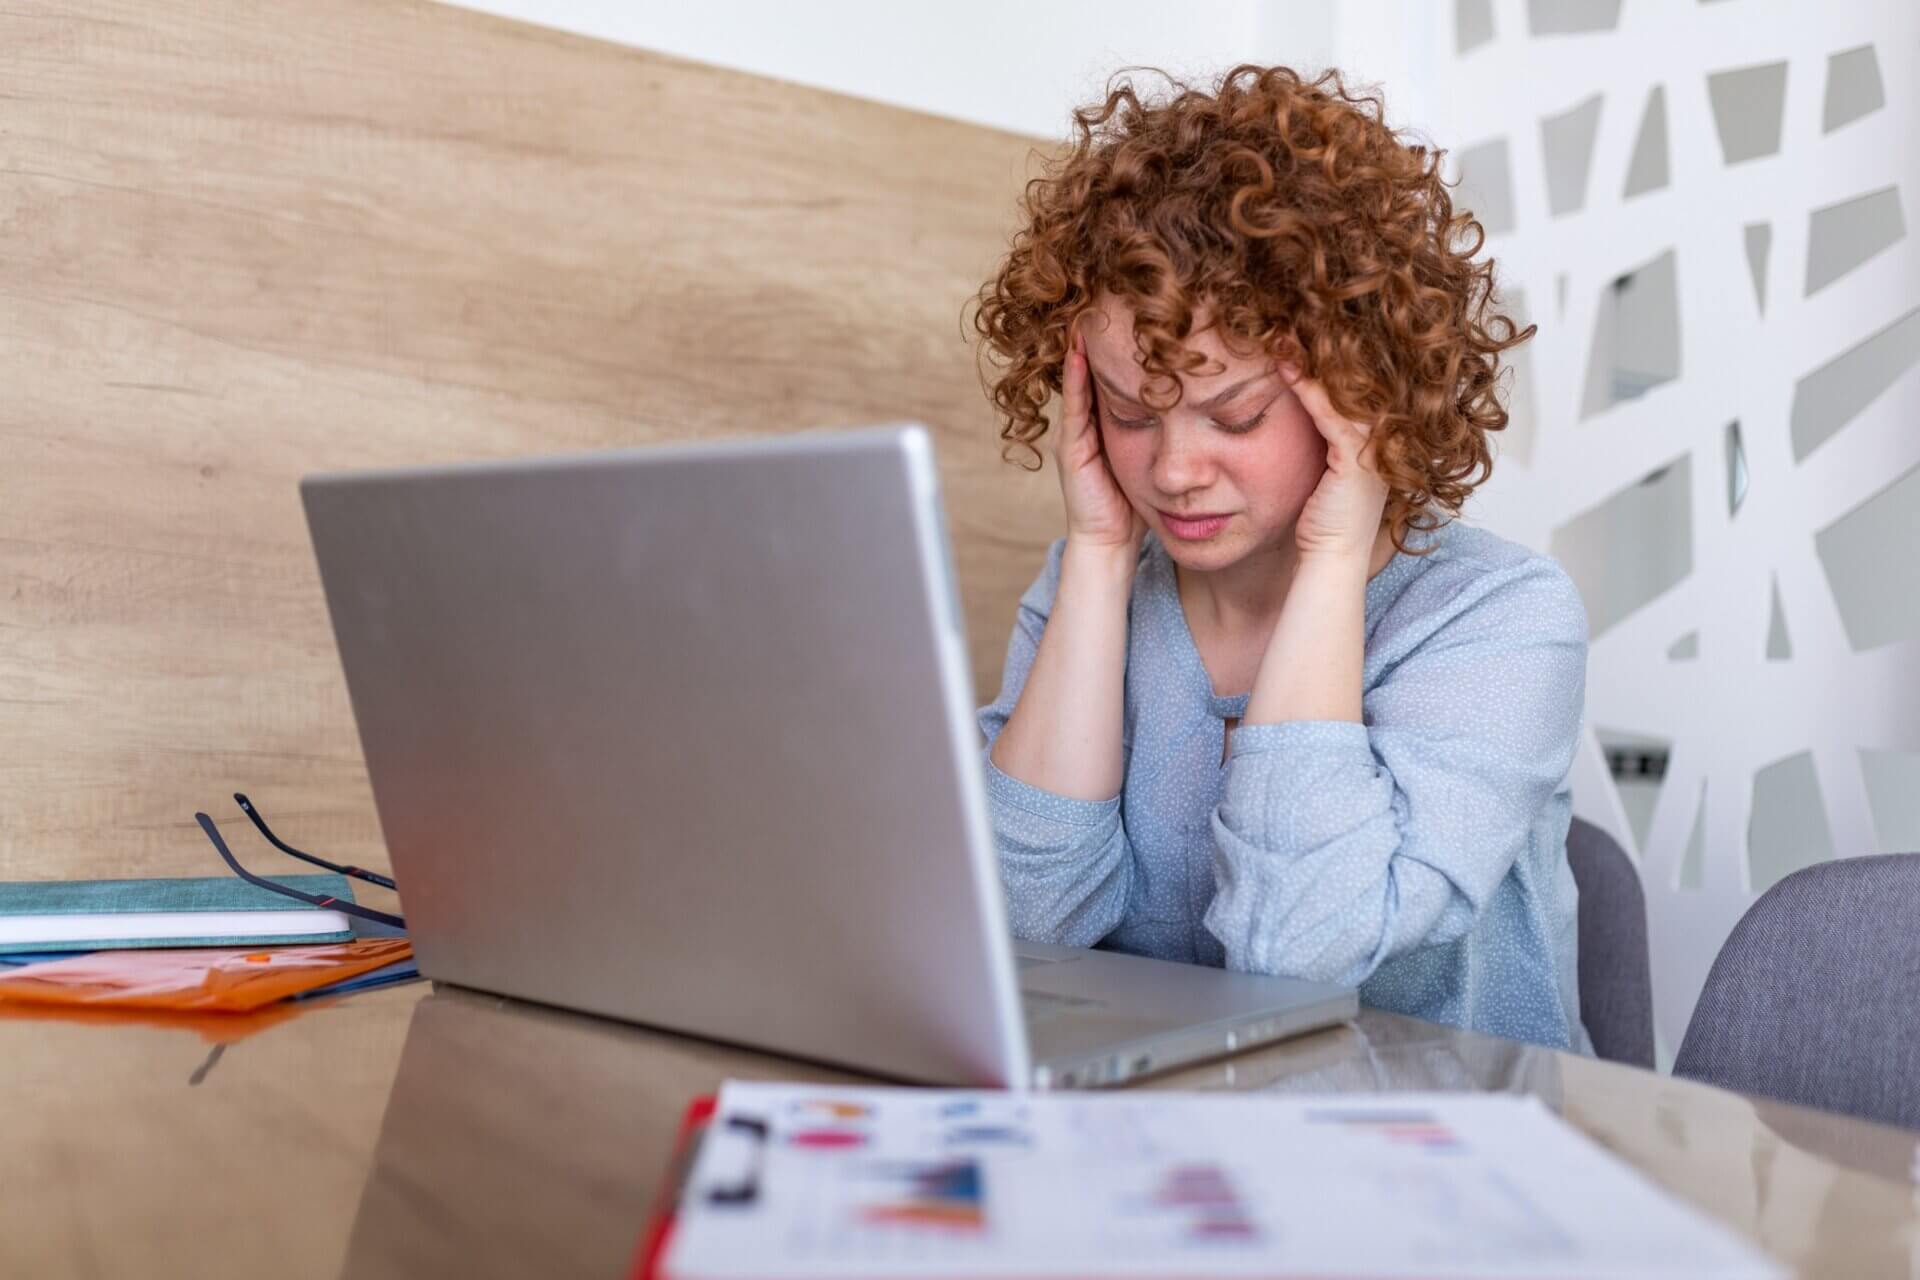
(1842, 236)
(1485, 188)
(1893, 791)
(1872, 567)
(1831, 396)
(1636, 336)
(1853, 87)
(1567, 141)
(1637, 764)
(1779, 647)
(1736, 469)
(1472, 24)
(1748, 106)
(1695, 857)
(1821, 467)
(1570, 17)
(1631, 548)
(1788, 829)
(1759, 238)
(1648, 169)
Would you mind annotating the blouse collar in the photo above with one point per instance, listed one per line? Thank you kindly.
(1162, 590)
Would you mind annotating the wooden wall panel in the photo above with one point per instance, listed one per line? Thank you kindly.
(243, 242)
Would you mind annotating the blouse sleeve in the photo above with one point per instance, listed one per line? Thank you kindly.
(1339, 846)
(1065, 863)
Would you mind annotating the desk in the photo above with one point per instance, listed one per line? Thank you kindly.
(428, 1131)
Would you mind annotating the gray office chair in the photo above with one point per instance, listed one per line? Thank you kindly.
(1815, 997)
(1616, 983)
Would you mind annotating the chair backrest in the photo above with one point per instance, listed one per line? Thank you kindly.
(1815, 997)
(1616, 982)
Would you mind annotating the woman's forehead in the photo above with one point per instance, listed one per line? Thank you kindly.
(1110, 322)
(1115, 355)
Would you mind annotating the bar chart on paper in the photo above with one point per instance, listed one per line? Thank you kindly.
(796, 1181)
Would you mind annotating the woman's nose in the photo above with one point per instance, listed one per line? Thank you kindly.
(1180, 464)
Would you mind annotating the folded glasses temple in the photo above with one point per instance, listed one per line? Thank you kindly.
(358, 873)
(312, 899)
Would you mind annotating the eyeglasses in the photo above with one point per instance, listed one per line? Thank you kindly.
(312, 899)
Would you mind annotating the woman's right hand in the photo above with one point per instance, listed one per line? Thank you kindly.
(1098, 513)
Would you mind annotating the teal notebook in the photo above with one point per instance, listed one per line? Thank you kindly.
(211, 911)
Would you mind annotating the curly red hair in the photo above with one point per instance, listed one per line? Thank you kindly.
(1288, 212)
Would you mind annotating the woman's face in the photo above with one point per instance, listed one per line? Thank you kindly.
(1223, 474)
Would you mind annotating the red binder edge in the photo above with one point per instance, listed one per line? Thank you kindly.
(653, 1245)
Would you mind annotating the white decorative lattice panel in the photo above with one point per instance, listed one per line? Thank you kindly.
(1708, 207)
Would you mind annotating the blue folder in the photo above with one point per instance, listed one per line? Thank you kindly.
(222, 894)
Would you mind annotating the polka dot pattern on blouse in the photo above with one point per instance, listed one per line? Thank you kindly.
(1420, 856)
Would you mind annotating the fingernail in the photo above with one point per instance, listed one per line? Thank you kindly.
(1291, 372)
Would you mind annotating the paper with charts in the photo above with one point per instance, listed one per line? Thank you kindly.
(812, 1181)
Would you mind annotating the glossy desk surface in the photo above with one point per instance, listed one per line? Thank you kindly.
(425, 1131)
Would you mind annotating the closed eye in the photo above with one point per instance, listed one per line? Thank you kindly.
(1232, 428)
(1248, 424)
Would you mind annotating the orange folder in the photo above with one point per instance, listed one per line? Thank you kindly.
(210, 979)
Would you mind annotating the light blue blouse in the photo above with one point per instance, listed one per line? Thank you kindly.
(1420, 856)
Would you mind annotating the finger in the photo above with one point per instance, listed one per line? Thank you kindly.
(1338, 429)
(1074, 392)
(1075, 397)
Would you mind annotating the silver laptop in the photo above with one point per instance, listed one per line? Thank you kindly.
(685, 736)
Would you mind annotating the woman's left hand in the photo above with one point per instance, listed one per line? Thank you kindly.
(1342, 518)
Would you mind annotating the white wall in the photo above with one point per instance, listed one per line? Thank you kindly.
(1005, 63)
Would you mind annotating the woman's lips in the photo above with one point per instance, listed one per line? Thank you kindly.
(1194, 528)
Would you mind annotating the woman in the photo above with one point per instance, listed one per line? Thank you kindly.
(1266, 705)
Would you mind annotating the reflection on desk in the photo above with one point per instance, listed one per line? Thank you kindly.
(424, 1131)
